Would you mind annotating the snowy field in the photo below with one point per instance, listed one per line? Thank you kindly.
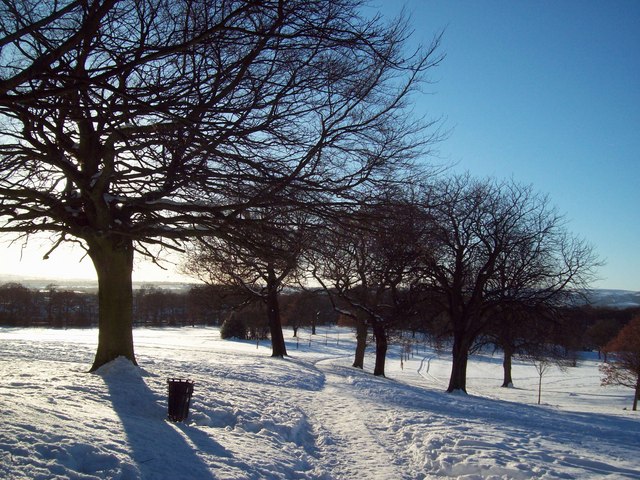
(310, 416)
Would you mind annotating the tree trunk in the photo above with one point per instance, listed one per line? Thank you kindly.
(460, 354)
(637, 393)
(278, 346)
(540, 387)
(507, 382)
(381, 349)
(361, 343)
(113, 261)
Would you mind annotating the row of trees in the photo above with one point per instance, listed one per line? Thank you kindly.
(57, 307)
(614, 332)
(585, 326)
(486, 261)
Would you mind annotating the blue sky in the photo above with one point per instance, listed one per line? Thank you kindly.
(546, 93)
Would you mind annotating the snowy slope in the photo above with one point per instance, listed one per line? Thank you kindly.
(310, 416)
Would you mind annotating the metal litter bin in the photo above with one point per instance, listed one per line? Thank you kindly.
(179, 397)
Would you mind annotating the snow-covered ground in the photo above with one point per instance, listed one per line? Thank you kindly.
(310, 416)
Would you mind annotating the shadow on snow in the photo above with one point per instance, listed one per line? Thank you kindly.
(159, 448)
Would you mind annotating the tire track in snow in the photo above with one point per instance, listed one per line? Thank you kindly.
(343, 424)
(426, 375)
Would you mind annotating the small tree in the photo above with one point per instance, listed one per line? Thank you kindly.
(259, 258)
(624, 366)
(542, 366)
(544, 358)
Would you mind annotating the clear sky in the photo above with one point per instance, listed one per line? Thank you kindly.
(544, 92)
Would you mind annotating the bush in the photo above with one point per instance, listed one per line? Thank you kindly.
(233, 327)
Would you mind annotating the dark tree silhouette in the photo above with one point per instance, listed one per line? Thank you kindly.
(371, 264)
(130, 125)
(519, 329)
(307, 308)
(601, 333)
(492, 244)
(18, 305)
(259, 258)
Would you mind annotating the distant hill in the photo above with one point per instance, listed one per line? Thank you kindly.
(597, 297)
(615, 298)
(83, 284)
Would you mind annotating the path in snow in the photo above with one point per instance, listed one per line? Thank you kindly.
(309, 417)
(345, 428)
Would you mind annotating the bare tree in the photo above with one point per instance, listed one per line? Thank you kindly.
(624, 365)
(494, 244)
(306, 307)
(130, 125)
(260, 259)
(371, 264)
(518, 330)
(542, 366)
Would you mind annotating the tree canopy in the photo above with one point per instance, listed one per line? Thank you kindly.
(128, 125)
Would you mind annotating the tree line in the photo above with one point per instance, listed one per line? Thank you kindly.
(197, 305)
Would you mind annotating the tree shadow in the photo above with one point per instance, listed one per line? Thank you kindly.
(159, 448)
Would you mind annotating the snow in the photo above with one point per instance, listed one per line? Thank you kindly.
(309, 416)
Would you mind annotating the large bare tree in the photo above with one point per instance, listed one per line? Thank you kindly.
(497, 244)
(129, 125)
